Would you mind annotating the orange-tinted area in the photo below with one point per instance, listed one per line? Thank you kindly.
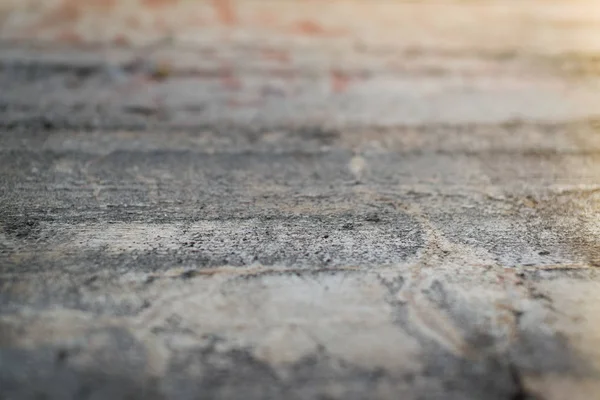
(313, 28)
(70, 11)
(339, 81)
(225, 12)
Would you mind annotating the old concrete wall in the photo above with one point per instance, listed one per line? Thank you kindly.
(299, 199)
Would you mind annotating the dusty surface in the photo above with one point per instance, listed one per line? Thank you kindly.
(296, 200)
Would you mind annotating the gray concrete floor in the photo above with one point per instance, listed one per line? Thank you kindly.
(342, 210)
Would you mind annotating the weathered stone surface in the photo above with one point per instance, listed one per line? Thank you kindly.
(297, 200)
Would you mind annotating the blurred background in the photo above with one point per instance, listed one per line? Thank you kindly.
(312, 62)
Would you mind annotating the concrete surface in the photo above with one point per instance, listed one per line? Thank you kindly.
(299, 199)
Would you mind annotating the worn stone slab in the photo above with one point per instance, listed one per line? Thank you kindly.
(299, 200)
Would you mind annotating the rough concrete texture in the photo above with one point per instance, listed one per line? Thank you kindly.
(299, 199)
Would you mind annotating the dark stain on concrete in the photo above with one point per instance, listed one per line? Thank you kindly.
(49, 371)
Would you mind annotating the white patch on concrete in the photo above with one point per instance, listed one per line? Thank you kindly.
(284, 318)
(126, 237)
(357, 166)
